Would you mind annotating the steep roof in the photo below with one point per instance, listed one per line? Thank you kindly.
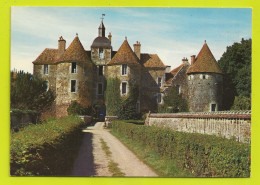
(124, 55)
(75, 52)
(151, 61)
(48, 56)
(205, 62)
(172, 73)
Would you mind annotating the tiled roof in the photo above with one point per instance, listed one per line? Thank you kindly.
(124, 55)
(75, 52)
(48, 56)
(205, 62)
(151, 61)
(169, 76)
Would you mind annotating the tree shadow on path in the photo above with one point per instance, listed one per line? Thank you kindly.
(84, 164)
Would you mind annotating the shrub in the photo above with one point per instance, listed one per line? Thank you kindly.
(44, 149)
(241, 103)
(77, 109)
(173, 102)
(202, 155)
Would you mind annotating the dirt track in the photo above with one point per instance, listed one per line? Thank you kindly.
(92, 160)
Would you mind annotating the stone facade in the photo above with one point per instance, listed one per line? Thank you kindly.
(205, 92)
(76, 74)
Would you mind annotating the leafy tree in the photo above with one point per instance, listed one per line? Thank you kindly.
(112, 97)
(29, 92)
(236, 66)
(241, 103)
(173, 102)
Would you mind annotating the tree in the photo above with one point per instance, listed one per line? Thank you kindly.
(29, 92)
(236, 66)
(173, 102)
(241, 103)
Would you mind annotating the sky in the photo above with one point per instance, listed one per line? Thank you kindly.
(172, 33)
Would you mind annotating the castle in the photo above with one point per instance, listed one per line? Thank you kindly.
(76, 74)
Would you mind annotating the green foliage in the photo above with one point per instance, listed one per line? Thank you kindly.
(29, 92)
(236, 65)
(241, 103)
(202, 155)
(43, 148)
(123, 107)
(77, 109)
(112, 97)
(173, 102)
(128, 105)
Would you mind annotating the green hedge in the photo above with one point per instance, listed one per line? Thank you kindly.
(203, 155)
(45, 149)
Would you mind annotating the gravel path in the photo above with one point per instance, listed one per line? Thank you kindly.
(92, 160)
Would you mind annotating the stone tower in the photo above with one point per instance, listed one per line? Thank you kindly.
(74, 78)
(205, 82)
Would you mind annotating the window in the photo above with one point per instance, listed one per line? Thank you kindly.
(159, 82)
(73, 67)
(47, 85)
(124, 85)
(73, 86)
(159, 98)
(46, 69)
(100, 88)
(178, 89)
(213, 107)
(100, 70)
(124, 69)
(101, 53)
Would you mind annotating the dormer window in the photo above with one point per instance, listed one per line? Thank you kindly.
(73, 67)
(101, 53)
(46, 69)
(124, 69)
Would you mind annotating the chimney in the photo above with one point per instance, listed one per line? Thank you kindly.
(185, 60)
(137, 49)
(61, 46)
(168, 69)
(110, 37)
(192, 59)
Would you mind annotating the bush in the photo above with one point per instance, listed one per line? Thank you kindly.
(77, 109)
(202, 155)
(241, 103)
(45, 149)
(173, 102)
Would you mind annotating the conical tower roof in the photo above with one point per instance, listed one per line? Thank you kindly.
(75, 52)
(124, 55)
(205, 62)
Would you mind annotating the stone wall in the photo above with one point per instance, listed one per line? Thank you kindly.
(38, 71)
(204, 92)
(225, 124)
(84, 80)
(21, 119)
(150, 88)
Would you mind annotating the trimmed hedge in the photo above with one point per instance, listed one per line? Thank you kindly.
(202, 155)
(45, 149)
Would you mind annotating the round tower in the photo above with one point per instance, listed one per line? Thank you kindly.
(205, 82)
